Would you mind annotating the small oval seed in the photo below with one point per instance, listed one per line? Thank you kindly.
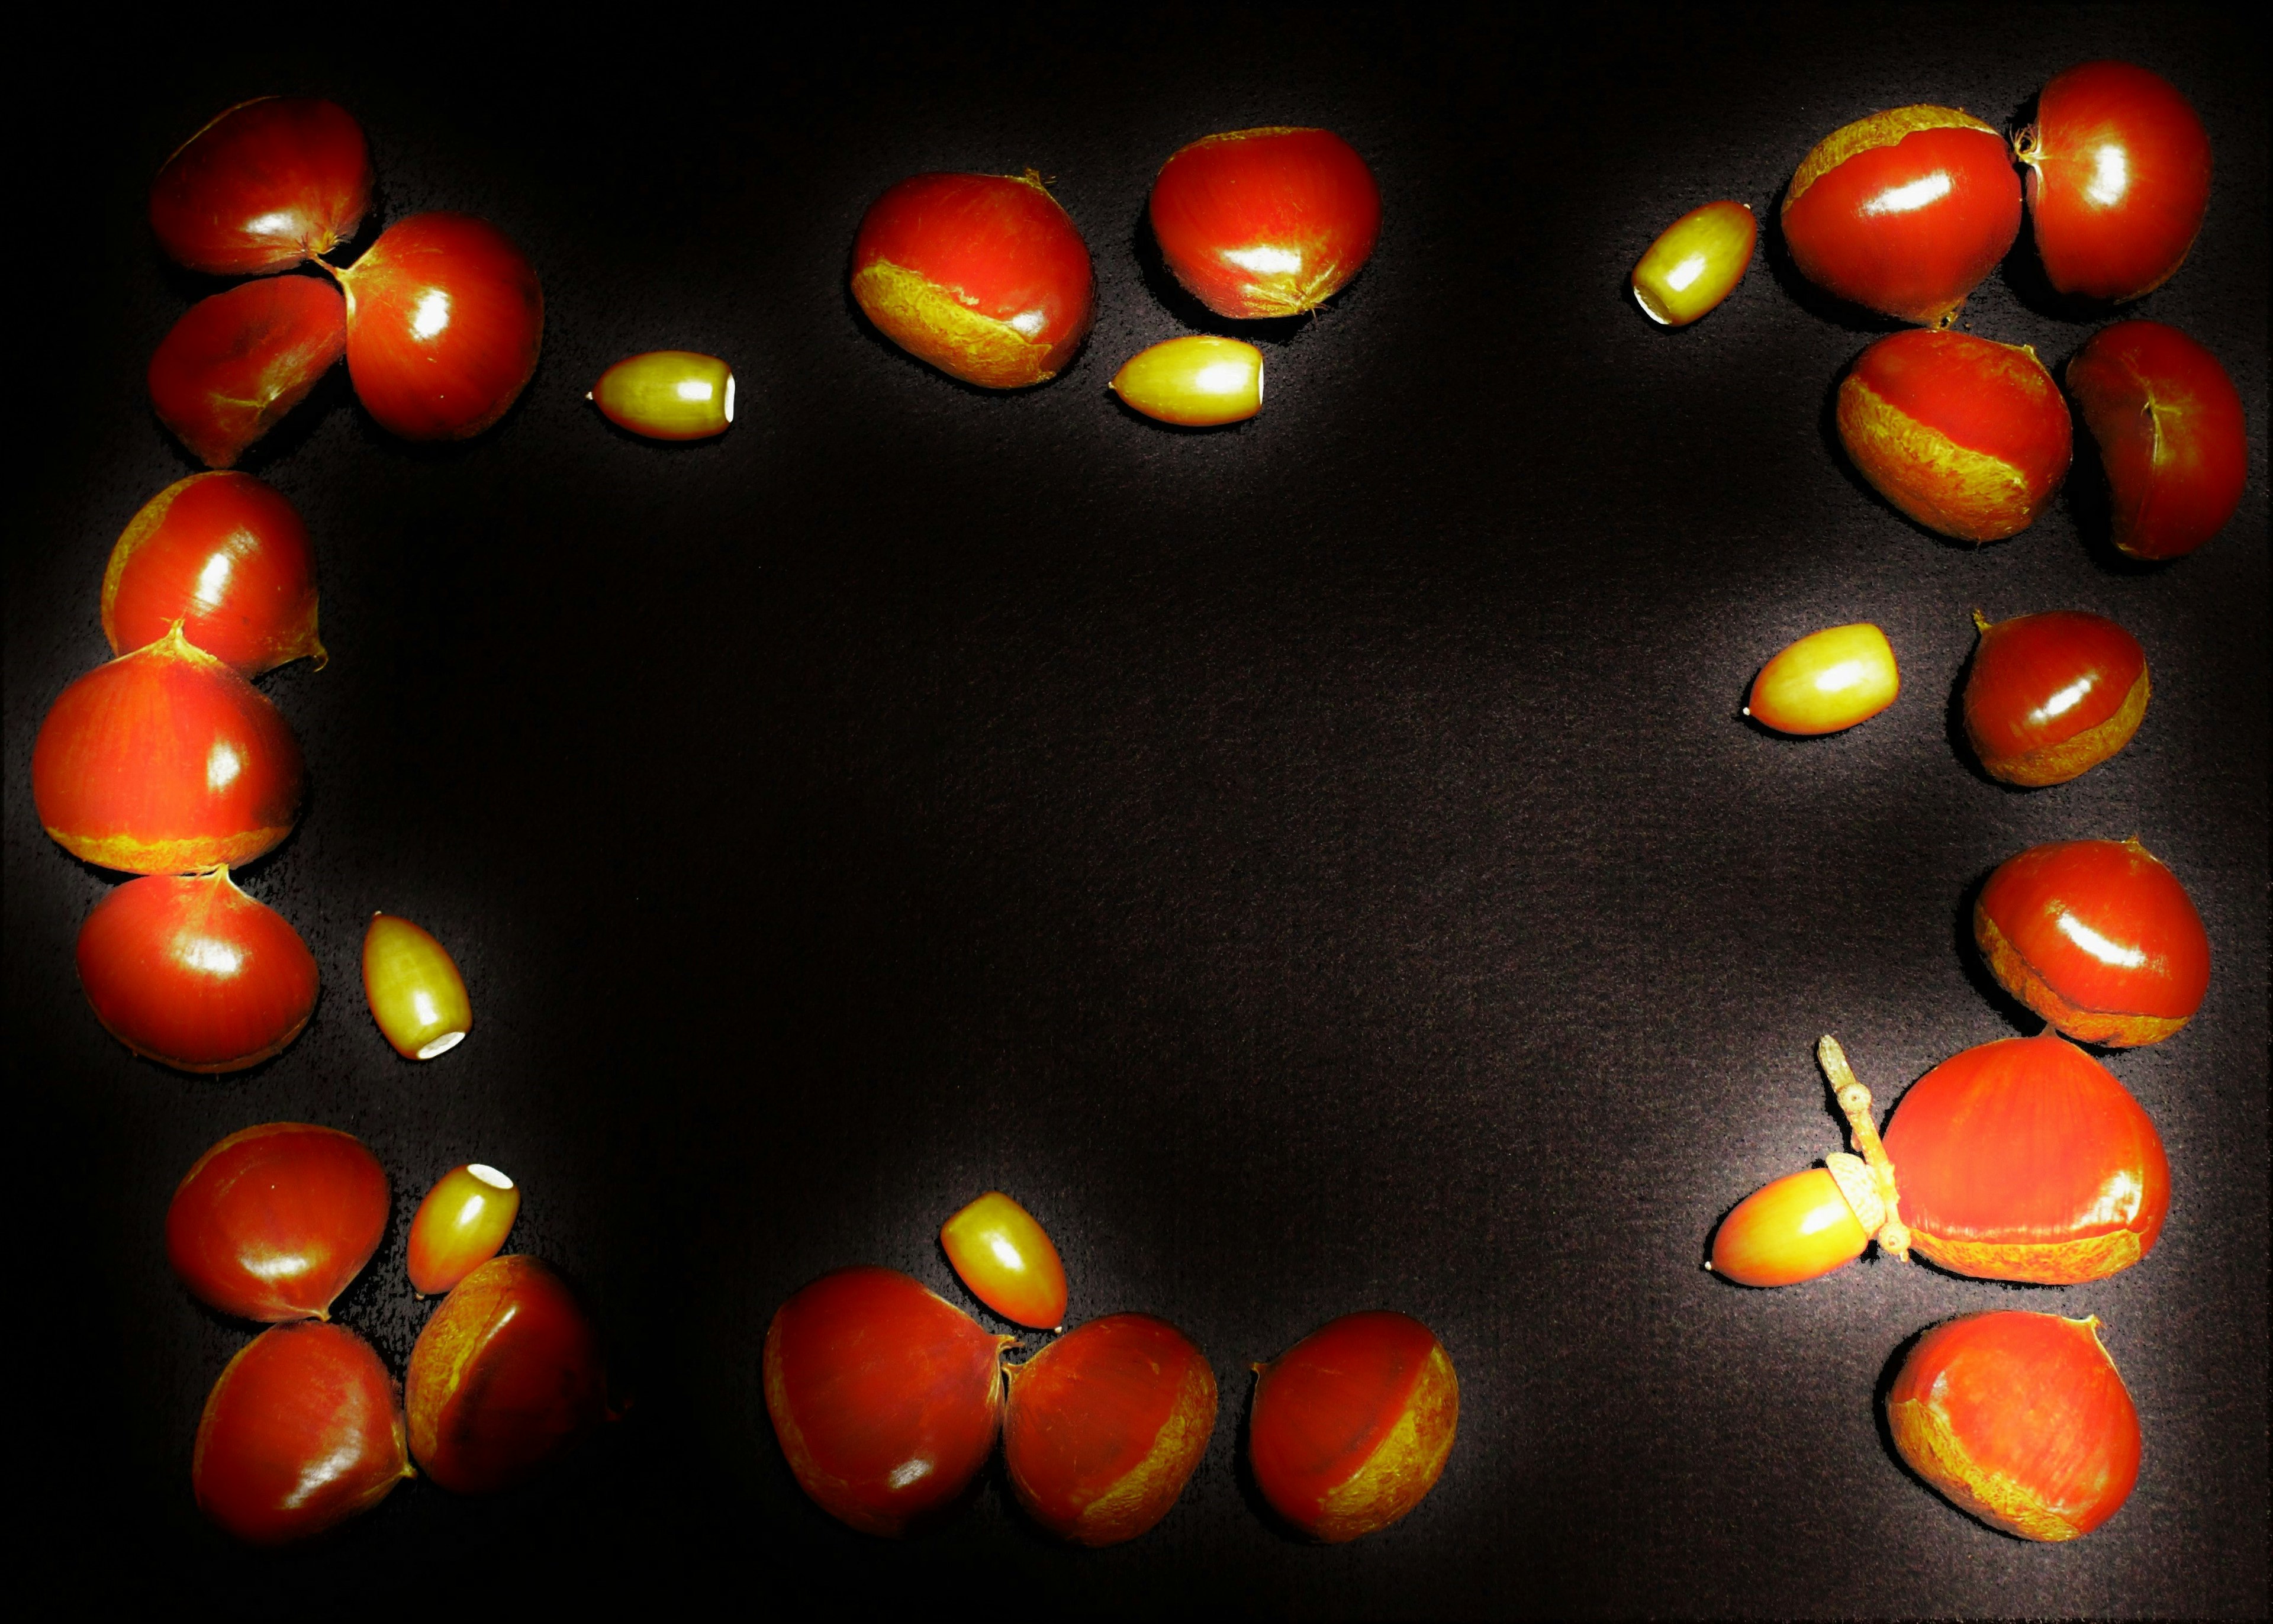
(1696, 262)
(415, 994)
(1827, 681)
(667, 394)
(1199, 381)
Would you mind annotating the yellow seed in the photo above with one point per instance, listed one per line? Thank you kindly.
(667, 394)
(1198, 381)
(416, 995)
(1828, 680)
(1695, 263)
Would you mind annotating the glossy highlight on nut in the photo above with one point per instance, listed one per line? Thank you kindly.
(667, 394)
(1351, 1427)
(2019, 1419)
(237, 362)
(1008, 1261)
(2050, 696)
(461, 1225)
(984, 276)
(189, 971)
(2098, 938)
(165, 761)
(1105, 1426)
(274, 1222)
(1969, 437)
(885, 1397)
(2026, 1159)
(1198, 381)
(1695, 263)
(228, 557)
(1904, 211)
(507, 1378)
(301, 1432)
(2172, 440)
(1828, 681)
(414, 988)
(2119, 172)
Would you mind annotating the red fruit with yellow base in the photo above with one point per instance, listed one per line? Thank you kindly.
(2051, 696)
(984, 276)
(1104, 1428)
(2019, 1419)
(1351, 1425)
(1904, 212)
(227, 556)
(165, 761)
(2098, 938)
(885, 1397)
(1969, 437)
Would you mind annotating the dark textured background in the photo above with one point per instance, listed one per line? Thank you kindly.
(1314, 866)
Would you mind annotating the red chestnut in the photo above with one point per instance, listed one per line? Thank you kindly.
(268, 183)
(163, 761)
(885, 1397)
(237, 362)
(2051, 696)
(2021, 1419)
(444, 319)
(2118, 179)
(194, 974)
(1966, 437)
(982, 275)
(1266, 223)
(227, 556)
(2098, 938)
(2170, 434)
(1104, 1426)
(1904, 212)
(301, 1432)
(1351, 1425)
(275, 1220)
(2025, 1159)
(507, 1377)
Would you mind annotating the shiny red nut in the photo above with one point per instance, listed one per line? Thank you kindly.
(2098, 938)
(189, 971)
(275, 1220)
(1969, 437)
(1104, 1426)
(301, 1432)
(2051, 696)
(165, 761)
(445, 320)
(2026, 1159)
(227, 556)
(1257, 223)
(2019, 1419)
(1904, 212)
(2118, 166)
(461, 1225)
(984, 276)
(237, 362)
(885, 1397)
(1351, 1427)
(267, 184)
(2171, 437)
(507, 1378)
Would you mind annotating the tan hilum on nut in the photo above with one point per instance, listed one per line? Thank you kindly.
(1885, 1223)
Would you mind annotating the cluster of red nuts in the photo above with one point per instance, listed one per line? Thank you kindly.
(2024, 1159)
(987, 277)
(887, 1399)
(306, 1427)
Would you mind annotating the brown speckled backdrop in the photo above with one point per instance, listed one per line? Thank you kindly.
(1314, 866)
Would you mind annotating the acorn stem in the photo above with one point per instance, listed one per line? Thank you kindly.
(1894, 1237)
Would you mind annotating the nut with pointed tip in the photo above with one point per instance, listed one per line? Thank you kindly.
(264, 185)
(1198, 381)
(1008, 1261)
(2119, 170)
(1826, 682)
(414, 990)
(2051, 696)
(2171, 436)
(1266, 223)
(227, 556)
(274, 1222)
(2019, 1419)
(231, 368)
(1351, 1427)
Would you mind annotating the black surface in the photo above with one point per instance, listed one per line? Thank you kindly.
(1314, 866)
